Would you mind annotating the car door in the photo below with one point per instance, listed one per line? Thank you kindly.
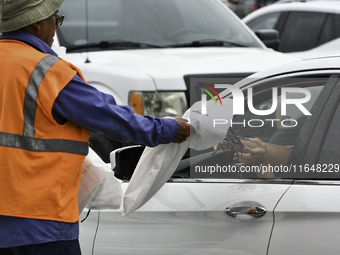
(208, 215)
(188, 216)
(308, 215)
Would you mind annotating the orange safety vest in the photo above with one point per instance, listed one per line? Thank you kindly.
(40, 160)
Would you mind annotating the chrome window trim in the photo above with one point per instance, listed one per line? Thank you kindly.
(241, 181)
(257, 181)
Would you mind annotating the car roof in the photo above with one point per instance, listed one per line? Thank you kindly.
(311, 6)
(310, 65)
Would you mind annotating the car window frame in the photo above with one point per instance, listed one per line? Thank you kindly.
(323, 99)
(305, 137)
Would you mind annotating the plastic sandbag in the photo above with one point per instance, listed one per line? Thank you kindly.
(154, 168)
(157, 164)
(98, 187)
(107, 195)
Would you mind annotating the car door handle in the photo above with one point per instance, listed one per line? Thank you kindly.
(254, 211)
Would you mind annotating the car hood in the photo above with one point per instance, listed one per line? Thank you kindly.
(164, 66)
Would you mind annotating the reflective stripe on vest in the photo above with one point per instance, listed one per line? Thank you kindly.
(27, 140)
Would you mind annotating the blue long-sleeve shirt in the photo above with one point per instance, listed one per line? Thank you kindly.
(91, 109)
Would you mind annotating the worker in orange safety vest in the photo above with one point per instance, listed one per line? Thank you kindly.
(46, 113)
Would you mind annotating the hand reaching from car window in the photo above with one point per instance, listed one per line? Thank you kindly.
(255, 153)
(258, 153)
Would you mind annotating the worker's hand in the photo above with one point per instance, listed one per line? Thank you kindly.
(183, 130)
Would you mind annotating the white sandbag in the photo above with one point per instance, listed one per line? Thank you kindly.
(97, 180)
(154, 168)
(107, 195)
(157, 164)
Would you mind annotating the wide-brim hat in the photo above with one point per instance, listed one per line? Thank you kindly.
(16, 14)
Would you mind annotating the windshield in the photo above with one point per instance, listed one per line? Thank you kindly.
(151, 23)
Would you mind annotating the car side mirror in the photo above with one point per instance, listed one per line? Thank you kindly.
(124, 161)
(270, 37)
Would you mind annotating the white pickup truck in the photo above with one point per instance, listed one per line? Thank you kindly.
(144, 52)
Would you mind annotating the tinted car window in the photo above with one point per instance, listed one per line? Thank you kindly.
(331, 29)
(301, 31)
(275, 128)
(315, 150)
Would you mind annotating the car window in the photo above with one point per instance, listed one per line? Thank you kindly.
(305, 28)
(314, 155)
(299, 96)
(275, 128)
(309, 29)
(331, 29)
(156, 22)
(267, 21)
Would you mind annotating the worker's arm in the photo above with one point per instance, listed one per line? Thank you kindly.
(91, 109)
